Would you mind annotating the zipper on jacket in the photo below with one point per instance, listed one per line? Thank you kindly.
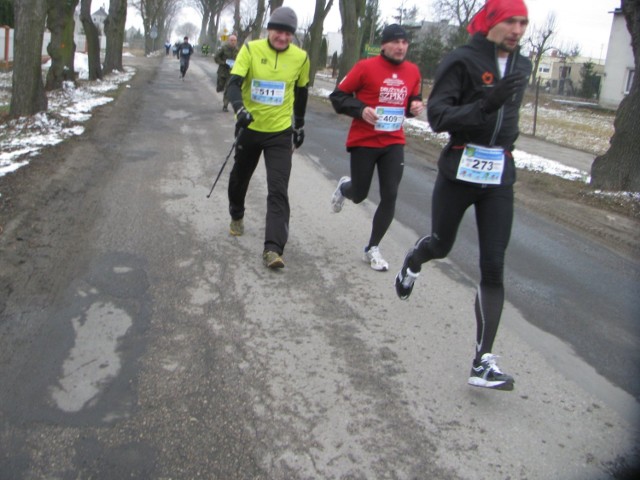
(512, 67)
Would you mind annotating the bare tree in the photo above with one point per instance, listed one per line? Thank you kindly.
(460, 12)
(315, 34)
(93, 40)
(619, 167)
(352, 13)
(540, 39)
(273, 4)
(187, 29)
(27, 91)
(247, 24)
(114, 31)
(404, 14)
(202, 6)
(61, 47)
(158, 14)
(216, 8)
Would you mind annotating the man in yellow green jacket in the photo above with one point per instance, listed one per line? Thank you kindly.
(268, 85)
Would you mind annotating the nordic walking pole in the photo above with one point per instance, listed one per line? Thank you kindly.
(225, 162)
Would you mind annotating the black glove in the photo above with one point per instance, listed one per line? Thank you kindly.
(243, 118)
(298, 137)
(502, 91)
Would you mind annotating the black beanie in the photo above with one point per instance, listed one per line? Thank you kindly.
(393, 32)
(283, 18)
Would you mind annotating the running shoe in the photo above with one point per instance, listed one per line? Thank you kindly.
(374, 258)
(405, 279)
(272, 259)
(337, 200)
(487, 374)
(236, 227)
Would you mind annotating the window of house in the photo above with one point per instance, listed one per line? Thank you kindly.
(627, 85)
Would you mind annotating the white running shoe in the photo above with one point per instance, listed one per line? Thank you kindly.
(374, 258)
(337, 200)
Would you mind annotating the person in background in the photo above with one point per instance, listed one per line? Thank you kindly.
(268, 86)
(185, 50)
(379, 92)
(476, 98)
(167, 47)
(225, 58)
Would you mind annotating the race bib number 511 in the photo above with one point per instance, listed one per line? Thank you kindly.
(267, 92)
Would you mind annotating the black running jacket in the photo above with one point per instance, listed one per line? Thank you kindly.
(463, 79)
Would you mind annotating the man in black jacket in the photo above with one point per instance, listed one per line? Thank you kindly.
(476, 97)
(185, 50)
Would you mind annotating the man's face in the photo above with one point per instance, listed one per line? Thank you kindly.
(279, 39)
(507, 34)
(233, 40)
(396, 49)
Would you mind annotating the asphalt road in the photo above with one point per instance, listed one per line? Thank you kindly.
(581, 292)
(141, 340)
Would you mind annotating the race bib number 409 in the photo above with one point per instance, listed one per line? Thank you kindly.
(390, 119)
(267, 92)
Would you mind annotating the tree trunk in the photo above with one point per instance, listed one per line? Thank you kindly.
(212, 32)
(114, 31)
(256, 27)
(61, 48)
(204, 38)
(351, 12)
(93, 40)
(273, 4)
(619, 168)
(27, 92)
(322, 9)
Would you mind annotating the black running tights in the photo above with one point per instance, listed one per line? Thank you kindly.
(494, 217)
(390, 162)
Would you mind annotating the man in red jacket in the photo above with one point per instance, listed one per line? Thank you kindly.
(378, 93)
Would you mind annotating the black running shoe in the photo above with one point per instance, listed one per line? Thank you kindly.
(488, 375)
(405, 278)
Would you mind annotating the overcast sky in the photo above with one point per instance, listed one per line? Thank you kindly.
(585, 22)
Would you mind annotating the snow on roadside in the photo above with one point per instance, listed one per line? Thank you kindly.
(22, 138)
(421, 128)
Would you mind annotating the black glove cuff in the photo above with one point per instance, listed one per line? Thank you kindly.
(487, 107)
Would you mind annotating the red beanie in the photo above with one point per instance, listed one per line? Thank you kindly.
(494, 12)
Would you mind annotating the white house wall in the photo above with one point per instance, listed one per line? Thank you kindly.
(618, 63)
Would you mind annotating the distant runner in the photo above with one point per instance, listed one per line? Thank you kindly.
(185, 50)
(225, 57)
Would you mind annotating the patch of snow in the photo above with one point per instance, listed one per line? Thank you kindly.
(68, 108)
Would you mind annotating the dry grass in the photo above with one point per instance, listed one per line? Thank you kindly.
(581, 127)
(584, 128)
